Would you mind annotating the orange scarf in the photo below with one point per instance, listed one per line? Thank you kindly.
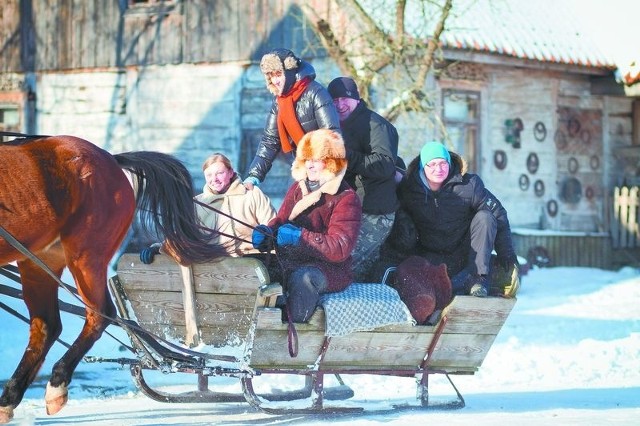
(288, 125)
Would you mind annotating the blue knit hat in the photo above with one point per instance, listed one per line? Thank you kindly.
(431, 150)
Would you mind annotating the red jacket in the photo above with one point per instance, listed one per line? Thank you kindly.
(330, 221)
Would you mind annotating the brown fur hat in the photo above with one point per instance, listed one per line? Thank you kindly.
(321, 144)
(282, 60)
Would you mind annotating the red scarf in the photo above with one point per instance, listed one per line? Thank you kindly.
(288, 125)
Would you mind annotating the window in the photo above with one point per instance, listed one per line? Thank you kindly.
(461, 111)
(9, 117)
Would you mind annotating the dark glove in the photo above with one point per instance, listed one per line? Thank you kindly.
(507, 262)
(262, 238)
(289, 235)
(147, 254)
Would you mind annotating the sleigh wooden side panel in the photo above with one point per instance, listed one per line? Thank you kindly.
(471, 327)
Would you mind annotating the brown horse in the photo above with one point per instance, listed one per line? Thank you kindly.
(71, 203)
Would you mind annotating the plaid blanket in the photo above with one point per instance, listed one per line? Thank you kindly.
(363, 307)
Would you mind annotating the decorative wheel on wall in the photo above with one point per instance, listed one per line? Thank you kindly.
(533, 163)
(560, 139)
(573, 127)
(539, 131)
(573, 165)
(523, 182)
(500, 159)
(538, 188)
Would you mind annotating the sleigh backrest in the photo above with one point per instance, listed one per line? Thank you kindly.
(206, 303)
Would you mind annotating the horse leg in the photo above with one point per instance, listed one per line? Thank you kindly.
(88, 250)
(91, 279)
(40, 293)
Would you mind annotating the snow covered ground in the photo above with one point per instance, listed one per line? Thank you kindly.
(568, 354)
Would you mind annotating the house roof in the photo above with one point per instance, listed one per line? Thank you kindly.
(539, 30)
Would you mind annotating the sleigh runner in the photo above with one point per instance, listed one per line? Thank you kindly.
(228, 305)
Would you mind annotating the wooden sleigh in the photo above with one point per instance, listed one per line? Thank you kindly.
(229, 306)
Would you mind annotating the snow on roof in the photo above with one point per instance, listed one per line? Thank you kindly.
(540, 30)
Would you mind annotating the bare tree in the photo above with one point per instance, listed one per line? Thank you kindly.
(363, 48)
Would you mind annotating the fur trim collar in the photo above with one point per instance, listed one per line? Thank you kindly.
(309, 199)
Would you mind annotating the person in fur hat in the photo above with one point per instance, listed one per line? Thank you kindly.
(455, 221)
(300, 105)
(317, 225)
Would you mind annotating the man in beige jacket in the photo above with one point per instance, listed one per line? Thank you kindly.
(225, 192)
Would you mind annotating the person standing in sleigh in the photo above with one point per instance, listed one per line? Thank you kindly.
(300, 105)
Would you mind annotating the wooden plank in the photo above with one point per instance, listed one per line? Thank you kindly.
(616, 220)
(189, 303)
(225, 306)
(369, 350)
(238, 275)
(473, 315)
(166, 307)
(162, 275)
(472, 326)
(226, 275)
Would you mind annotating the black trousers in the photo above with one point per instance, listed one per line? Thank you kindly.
(304, 287)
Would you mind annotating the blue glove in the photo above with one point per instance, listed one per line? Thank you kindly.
(289, 235)
(251, 180)
(147, 254)
(262, 238)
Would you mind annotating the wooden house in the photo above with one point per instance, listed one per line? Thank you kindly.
(523, 94)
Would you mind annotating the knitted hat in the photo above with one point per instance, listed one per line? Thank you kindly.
(282, 60)
(321, 144)
(432, 150)
(343, 87)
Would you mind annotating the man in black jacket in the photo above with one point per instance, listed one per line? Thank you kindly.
(371, 144)
(452, 218)
(300, 105)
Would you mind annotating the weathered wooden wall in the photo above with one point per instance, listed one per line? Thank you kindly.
(77, 34)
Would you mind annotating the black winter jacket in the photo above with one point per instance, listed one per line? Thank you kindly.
(442, 218)
(371, 143)
(314, 109)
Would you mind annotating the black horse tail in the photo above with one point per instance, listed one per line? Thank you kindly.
(164, 198)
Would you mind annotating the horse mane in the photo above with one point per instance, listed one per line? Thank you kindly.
(172, 191)
(19, 138)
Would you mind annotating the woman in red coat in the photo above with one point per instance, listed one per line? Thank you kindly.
(317, 225)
